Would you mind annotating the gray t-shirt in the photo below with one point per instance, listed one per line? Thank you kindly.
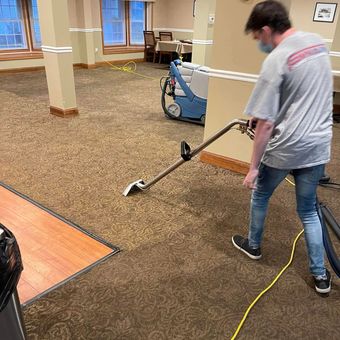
(294, 91)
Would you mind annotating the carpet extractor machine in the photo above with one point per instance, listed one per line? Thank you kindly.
(185, 92)
(327, 219)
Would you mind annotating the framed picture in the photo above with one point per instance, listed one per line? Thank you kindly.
(324, 11)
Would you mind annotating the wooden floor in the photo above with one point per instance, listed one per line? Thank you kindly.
(51, 249)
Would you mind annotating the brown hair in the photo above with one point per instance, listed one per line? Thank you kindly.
(268, 13)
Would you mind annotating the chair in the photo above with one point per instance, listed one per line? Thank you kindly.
(165, 36)
(150, 45)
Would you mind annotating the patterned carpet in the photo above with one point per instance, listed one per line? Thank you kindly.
(178, 276)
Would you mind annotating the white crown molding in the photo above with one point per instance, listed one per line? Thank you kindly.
(247, 77)
(53, 49)
(174, 29)
(86, 30)
(334, 54)
(202, 42)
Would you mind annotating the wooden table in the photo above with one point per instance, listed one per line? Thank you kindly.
(173, 46)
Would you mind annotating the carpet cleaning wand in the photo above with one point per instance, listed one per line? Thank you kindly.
(187, 154)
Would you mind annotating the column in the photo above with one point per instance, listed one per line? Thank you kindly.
(235, 64)
(203, 31)
(87, 12)
(56, 46)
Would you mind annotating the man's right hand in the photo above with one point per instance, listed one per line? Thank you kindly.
(252, 123)
(250, 180)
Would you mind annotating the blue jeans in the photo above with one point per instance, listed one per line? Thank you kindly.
(306, 181)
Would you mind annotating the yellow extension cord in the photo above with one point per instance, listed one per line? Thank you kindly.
(272, 283)
(129, 67)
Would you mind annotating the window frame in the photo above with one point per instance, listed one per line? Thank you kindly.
(145, 25)
(30, 52)
(30, 21)
(127, 47)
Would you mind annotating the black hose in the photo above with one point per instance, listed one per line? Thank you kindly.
(161, 82)
(164, 93)
(331, 254)
(330, 185)
(330, 220)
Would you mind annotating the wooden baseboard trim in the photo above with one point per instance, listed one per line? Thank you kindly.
(76, 65)
(63, 112)
(22, 69)
(83, 65)
(123, 50)
(88, 66)
(225, 162)
(336, 109)
(23, 55)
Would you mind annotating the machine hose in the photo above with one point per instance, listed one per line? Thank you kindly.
(331, 254)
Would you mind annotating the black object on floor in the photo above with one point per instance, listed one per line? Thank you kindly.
(333, 258)
(11, 320)
(336, 117)
(324, 179)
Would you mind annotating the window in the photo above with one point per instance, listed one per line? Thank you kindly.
(114, 22)
(17, 32)
(137, 22)
(123, 23)
(34, 19)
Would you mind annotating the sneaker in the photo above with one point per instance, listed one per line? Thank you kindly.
(323, 283)
(242, 244)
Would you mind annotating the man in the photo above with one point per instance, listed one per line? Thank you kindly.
(292, 106)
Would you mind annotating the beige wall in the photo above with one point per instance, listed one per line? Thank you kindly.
(335, 48)
(160, 15)
(174, 15)
(233, 51)
(72, 12)
(302, 12)
(76, 9)
(203, 30)
(180, 13)
(13, 64)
